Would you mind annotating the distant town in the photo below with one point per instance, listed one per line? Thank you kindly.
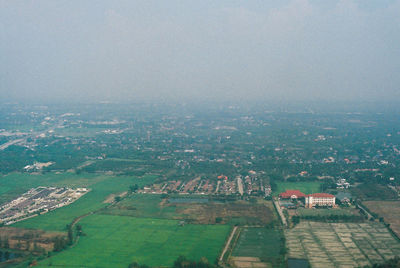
(236, 185)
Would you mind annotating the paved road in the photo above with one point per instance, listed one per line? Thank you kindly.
(7, 144)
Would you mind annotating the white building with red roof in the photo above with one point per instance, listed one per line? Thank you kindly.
(320, 199)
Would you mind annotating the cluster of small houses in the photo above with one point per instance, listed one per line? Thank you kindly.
(249, 185)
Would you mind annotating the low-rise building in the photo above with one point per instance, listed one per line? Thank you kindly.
(319, 199)
(342, 184)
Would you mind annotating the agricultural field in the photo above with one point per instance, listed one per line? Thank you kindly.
(117, 241)
(389, 210)
(57, 220)
(304, 187)
(341, 244)
(325, 212)
(144, 206)
(200, 211)
(232, 213)
(112, 165)
(263, 246)
(33, 240)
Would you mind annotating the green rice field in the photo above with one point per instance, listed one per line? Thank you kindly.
(116, 241)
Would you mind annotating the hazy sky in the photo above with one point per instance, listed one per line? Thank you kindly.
(218, 50)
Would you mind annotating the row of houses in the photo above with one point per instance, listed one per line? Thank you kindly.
(310, 200)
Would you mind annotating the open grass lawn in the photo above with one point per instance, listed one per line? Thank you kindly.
(116, 241)
(259, 242)
(57, 220)
(305, 187)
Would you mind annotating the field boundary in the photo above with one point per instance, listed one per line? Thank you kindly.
(280, 212)
(228, 243)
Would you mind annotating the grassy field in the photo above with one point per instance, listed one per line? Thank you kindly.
(263, 243)
(57, 220)
(368, 191)
(305, 187)
(153, 206)
(116, 241)
(389, 210)
(341, 244)
(144, 205)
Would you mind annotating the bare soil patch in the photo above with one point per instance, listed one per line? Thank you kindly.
(248, 262)
(110, 199)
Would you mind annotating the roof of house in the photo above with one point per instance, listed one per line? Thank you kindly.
(321, 195)
(290, 193)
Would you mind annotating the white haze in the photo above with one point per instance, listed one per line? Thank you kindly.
(199, 50)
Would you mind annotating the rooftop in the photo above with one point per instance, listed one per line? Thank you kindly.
(290, 193)
(321, 195)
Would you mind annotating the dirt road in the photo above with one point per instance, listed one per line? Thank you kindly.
(228, 243)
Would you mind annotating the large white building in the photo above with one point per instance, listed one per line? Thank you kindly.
(320, 199)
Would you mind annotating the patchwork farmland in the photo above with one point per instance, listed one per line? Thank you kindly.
(341, 244)
(258, 247)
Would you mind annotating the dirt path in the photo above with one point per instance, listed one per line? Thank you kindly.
(240, 185)
(228, 243)
(218, 183)
(280, 212)
(111, 198)
(369, 216)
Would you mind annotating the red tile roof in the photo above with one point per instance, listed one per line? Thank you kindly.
(290, 193)
(321, 195)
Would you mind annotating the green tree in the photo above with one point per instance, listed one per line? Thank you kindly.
(133, 188)
(70, 236)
